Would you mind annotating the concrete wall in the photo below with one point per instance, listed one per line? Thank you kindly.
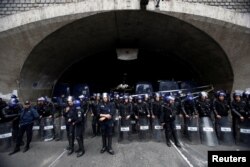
(20, 34)
(233, 5)
(8, 7)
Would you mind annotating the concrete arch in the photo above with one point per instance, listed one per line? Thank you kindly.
(19, 34)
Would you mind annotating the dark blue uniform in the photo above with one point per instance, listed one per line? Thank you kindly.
(168, 115)
(106, 125)
(27, 117)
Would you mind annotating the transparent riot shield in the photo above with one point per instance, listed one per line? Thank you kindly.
(192, 130)
(124, 130)
(207, 132)
(157, 130)
(36, 131)
(5, 136)
(243, 132)
(48, 129)
(224, 131)
(143, 128)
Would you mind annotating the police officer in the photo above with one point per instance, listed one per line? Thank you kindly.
(3, 104)
(203, 105)
(221, 106)
(238, 109)
(45, 110)
(105, 114)
(168, 120)
(94, 107)
(156, 108)
(70, 118)
(27, 116)
(11, 113)
(125, 111)
(79, 126)
(141, 109)
(188, 110)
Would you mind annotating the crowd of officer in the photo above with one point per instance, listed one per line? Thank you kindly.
(106, 110)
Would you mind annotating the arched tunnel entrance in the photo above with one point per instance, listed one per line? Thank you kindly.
(85, 51)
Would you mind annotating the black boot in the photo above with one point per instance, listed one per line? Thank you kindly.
(168, 139)
(71, 147)
(176, 141)
(17, 149)
(26, 148)
(94, 131)
(110, 150)
(104, 144)
(81, 148)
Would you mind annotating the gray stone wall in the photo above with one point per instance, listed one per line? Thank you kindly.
(242, 6)
(8, 7)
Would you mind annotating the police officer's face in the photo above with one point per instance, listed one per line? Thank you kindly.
(126, 100)
(171, 102)
(237, 98)
(70, 103)
(26, 105)
(105, 99)
(221, 98)
(157, 98)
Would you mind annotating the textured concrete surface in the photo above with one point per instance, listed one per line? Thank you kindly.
(210, 39)
(150, 154)
(8, 7)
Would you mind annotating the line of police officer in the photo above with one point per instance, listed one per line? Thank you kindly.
(105, 111)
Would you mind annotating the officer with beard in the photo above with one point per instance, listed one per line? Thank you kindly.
(168, 120)
(106, 112)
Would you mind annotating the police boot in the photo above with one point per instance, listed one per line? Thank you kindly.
(17, 149)
(81, 148)
(110, 150)
(94, 131)
(104, 144)
(168, 139)
(176, 141)
(71, 147)
(26, 148)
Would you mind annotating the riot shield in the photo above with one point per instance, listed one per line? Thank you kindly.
(224, 131)
(36, 134)
(192, 129)
(143, 128)
(207, 132)
(243, 132)
(57, 126)
(63, 132)
(5, 136)
(48, 129)
(179, 126)
(157, 130)
(124, 130)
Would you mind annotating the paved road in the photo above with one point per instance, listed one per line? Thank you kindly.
(135, 154)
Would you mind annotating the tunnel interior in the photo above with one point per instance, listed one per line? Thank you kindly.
(85, 52)
(104, 71)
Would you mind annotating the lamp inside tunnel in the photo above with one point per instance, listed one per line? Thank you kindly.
(126, 53)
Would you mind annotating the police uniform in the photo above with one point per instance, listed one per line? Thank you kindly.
(168, 120)
(106, 108)
(27, 117)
